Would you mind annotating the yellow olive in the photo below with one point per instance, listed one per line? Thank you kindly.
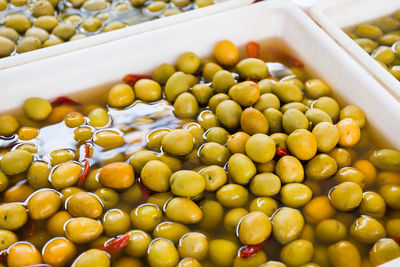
(186, 183)
(302, 144)
(344, 254)
(120, 95)
(288, 225)
(138, 243)
(194, 245)
(265, 184)
(290, 170)
(183, 210)
(92, 257)
(43, 204)
(240, 168)
(346, 196)
(226, 53)
(384, 250)
(65, 175)
(155, 175)
(178, 142)
(253, 121)
(162, 253)
(170, 230)
(146, 217)
(12, 216)
(82, 230)
(218, 247)
(297, 252)
(254, 228)
(367, 230)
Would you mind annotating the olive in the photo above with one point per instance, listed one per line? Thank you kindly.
(215, 177)
(171, 231)
(222, 81)
(253, 68)
(265, 184)
(214, 154)
(391, 195)
(15, 162)
(344, 254)
(82, 230)
(346, 196)
(245, 93)
(108, 197)
(302, 144)
(155, 175)
(43, 204)
(188, 62)
(162, 73)
(183, 210)
(59, 252)
(226, 53)
(316, 116)
(367, 230)
(23, 254)
(297, 252)
(274, 118)
(349, 132)
(146, 217)
(287, 92)
(207, 119)
(384, 250)
(55, 224)
(373, 205)
(341, 156)
(162, 252)
(120, 95)
(288, 224)
(12, 216)
(351, 174)
(321, 167)
(266, 85)
(203, 94)
(7, 238)
(295, 195)
(187, 183)
(232, 195)
(92, 257)
(217, 134)
(18, 22)
(222, 252)
(318, 209)
(327, 136)
(289, 169)
(176, 84)
(122, 170)
(186, 106)
(267, 100)
(316, 88)
(330, 231)
(209, 70)
(178, 142)
(197, 132)
(8, 124)
(294, 119)
(254, 228)
(240, 168)
(386, 159)
(253, 121)
(229, 113)
(213, 213)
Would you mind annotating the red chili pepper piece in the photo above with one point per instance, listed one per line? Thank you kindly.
(84, 174)
(29, 229)
(64, 100)
(281, 152)
(289, 59)
(114, 246)
(249, 250)
(87, 151)
(145, 192)
(253, 49)
(252, 80)
(397, 239)
(131, 79)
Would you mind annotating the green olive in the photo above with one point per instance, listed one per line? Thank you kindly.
(384, 55)
(116, 222)
(260, 148)
(176, 84)
(253, 68)
(94, 5)
(208, 119)
(15, 162)
(232, 195)
(330, 231)
(241, 168)
(109, 197)
(232, 218)
(302, 144)
(222, 81)
(316, 88)
(245, 93)
(287, 92)
(228, 113)
(274, 118)
(12, 216)
(295, 195)
(42, 8)
(393, 227)
(6, 48)
(391, 195)
(367, 44)
(341, 156)
(43, 204)
(288, 224)
(9, 33)
(187, 183)
(214, 154)
(186, 106)
(373, 205)
(7, 239)
(139, 159)
(266, 86)
(138, 243)
(384, 250)
(188, 62)
(64, 31)
(66, 174)
(113, 25)
(294, 119)
(267, 100)
(163, 72)
(297, 252)
(265, 184)
(146, 217)
(99, 117)
(316, 115)
(265, 205)
(295, 105)
(18, 22)
(162, 253)
(83, 204)
(351, 174)
(4, 182)
(321, 167)
(251, 235)
(329, 105)
(170, 230)
(82, 230)
(154, 138)
(156, 6)
(217, 134)
(194, 245)
(209, 70)
(82, 134)
(344, 253)
(52, 41)
(346, 196)
(120, 96)
(213, 213)
(290, 170)
(218, 247)
(368, 31)
(155, 175)
(37, 108)
(203, 93)
(386, 159)
(93, 257)
(253, 121)
(367, 230)
(327, 136)
(183, 210)
(178, 142)
(8, 125)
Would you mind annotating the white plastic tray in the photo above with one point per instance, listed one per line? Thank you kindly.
(39, 54)
(333, 16)
(101, 65)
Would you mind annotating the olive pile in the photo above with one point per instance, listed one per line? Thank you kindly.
(381, 39)
(217, 162)
(27, 25)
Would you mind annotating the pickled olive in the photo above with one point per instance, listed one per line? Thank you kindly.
(139, 159)
(162, 253)
(229, 114)
(55, 224)
(120, 95)
(265, 184)
(183, 210)
(187, 183)
(178, 142)
(226, 53)
(232, 195)
(15, 162)
(386, 159)
(349, 132)
(212, 214)
(197, 132)
(186, 106)
(18, 22)
(354, 112)
(109, 139)
(209, 70)
(232, 218)
(342, 157)
(297, 252)
(391, 195)
(171, 231)
(82, 134)
(12, 216)
(8, 125)
(124, 172)
(82, 230)
(346, 196)
(217, 134)
(98, 117)
(302, 144)
(208, 119)
(316, 88)
(295, 105)
(83, 204)
(318, 209)
(23, 254)
(43, 204)
(59, 252)
(316, 116)
(222, 81)
(351, 174)
(254, 228)
(295, 195)
(203, 94)
(393, 227)
(290, 170)
(215, 177)
(176, 84)
(253, 121)
(344, 253)
(7, 238)
(287, 92)
(241, 168)
(155, 175)
(218, 247)
(288, 224)
(146, 217)
(245, 93)
(188, 62)
(92, 257)
(294, 119)
(367, 230)
(214, 154)
(162, 73)
(237, 142)
(330, 231)
(321, 167)
(383, 251)
(274, 118)
(373, 205)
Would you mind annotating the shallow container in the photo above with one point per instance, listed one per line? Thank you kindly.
(333, 16)
(220, 5)
(97, 67)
